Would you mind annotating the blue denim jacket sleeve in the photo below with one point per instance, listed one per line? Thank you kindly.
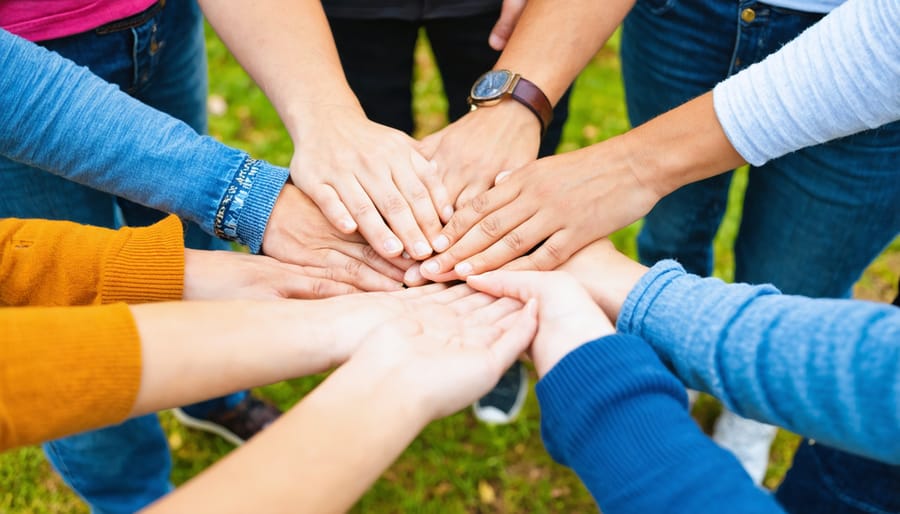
(827, 369)
(612, 412)
(61, 118)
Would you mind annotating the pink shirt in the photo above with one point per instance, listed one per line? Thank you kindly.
(40, 20)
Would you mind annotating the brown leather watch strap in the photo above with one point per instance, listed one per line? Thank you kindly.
(531, 96)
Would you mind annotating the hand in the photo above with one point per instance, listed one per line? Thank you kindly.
(470, 152)
(231, 276)
(357, 171)
(558, 204)
(509, 16)
(606, 274)
(352, 317)
(567, 316)
(454, 355)
(298, 233)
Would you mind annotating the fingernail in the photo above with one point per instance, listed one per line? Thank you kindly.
(347, 224)
(412, 275)
(441, 243)
(447, 211)
(422, 249)
(432, 267)
(463, 268)
(393, 245)
(404, 255)
(495, 41)
(434, 165)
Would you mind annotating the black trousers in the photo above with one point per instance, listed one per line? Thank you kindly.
(377, 56)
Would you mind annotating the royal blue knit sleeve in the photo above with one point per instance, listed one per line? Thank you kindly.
(612, 412)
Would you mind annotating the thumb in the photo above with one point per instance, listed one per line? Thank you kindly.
(428, 146)
(521, 285)
(503, 29)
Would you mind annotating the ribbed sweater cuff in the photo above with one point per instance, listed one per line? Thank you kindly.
(66, 370)
(147, 264)
(637, 303)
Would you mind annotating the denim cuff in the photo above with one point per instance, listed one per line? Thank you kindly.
(245, 208)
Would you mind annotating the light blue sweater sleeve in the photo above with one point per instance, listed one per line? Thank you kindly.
(827, 369)
(61, 118)
(839, 77)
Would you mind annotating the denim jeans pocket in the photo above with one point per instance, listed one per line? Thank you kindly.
(657, 7)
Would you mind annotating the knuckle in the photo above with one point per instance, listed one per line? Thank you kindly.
(479, 204)
(513, 240)
(361, 209)
(490, 227)
(319, 288)
(418, 193)
(369, 253)
(555, 254)
(393, 204)
(459, 224)
(352, 267)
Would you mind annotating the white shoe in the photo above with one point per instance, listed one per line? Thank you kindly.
(748, 440)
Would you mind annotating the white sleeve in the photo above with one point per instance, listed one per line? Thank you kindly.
(839, 77)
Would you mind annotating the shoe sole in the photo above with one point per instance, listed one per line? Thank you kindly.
(493, 416)
(206, 426)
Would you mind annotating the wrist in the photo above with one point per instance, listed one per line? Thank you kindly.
(388, 382)
(606, 274)
(681, 146)
(303, 117)
(550, 352)
(511, 116)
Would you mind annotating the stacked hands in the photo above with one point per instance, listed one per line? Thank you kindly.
(367, 208)
(444, 344)
(370, 209)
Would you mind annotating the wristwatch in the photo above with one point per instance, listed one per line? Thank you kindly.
(496, 85)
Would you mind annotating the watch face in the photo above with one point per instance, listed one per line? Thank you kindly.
(491, 85)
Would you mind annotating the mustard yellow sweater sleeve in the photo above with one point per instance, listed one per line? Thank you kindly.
(63, 263)
(64, 370)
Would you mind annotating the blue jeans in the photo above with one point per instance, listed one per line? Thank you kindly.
(159, 58)
(812, 220)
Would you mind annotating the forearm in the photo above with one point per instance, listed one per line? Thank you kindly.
(612, 412)
(821, 368)
(317, 456)
(554, 40)
(837, 78)
(61, 118)
(198, 350)
(681, 146)
(62, 263)
(288, 49)
(87, 367)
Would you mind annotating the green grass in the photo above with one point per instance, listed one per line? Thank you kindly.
(457, 465)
